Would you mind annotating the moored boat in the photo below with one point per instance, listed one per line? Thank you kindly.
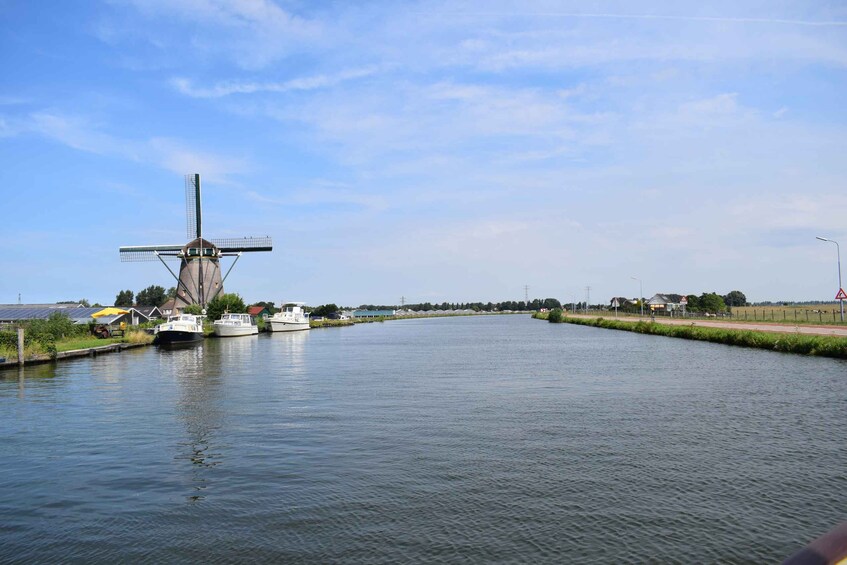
(184, 328)
(291, 317)
(231, 325)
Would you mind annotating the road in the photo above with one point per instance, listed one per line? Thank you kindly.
(838, 331)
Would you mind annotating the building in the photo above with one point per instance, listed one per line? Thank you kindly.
(24, 312)
(259, 311)
(168, 309)
(665, 302)
(373, 313)
(144, 314)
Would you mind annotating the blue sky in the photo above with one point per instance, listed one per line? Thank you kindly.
(441, 151)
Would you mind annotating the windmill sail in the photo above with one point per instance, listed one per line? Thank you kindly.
(193, 209)
(135, 253)
(243, 244)
(199, 279)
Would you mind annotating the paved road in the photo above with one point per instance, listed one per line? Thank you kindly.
(839, 331)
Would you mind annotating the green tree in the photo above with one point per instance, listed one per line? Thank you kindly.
(735, 298)
(711, 302)
(125, 298)
(693, 303)
(222, 303)
(266, 304)
(82, 301)
(193, 309)
(153, 295)
(171, 293)
(325, 310)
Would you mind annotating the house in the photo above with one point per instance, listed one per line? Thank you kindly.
(169, 308)
(259, 311)
(144, 314)
(665, 302)
(23, 312)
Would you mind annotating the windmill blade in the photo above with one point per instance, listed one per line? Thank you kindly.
(193, 209)
(136, 253)
(239, 244)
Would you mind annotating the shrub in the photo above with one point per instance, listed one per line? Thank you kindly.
(555, 316)
(230, 302)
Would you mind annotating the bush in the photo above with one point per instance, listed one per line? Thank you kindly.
(231, 302)
(555, 316)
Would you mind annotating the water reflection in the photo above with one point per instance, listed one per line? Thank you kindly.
(290, 348)
(235, 350)
(198, 376)
(42, 376)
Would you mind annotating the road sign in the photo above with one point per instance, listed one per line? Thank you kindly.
(841, 295)
(683, 300)
(615, 303)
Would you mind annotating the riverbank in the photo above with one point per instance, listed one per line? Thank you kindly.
(786, 339)
(72, 354)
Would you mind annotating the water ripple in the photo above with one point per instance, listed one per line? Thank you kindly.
(494, 439)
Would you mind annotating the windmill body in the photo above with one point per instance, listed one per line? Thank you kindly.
(199, 280)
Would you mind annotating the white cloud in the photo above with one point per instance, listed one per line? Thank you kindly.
(186, 86)
(253, 33)
(171, 154)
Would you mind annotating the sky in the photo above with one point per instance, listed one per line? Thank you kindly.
(430, 151)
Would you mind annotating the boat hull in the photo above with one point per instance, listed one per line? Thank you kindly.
(178, 337)
(235, 331)
(283, 326)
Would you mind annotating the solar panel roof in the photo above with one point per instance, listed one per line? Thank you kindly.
(43, 313)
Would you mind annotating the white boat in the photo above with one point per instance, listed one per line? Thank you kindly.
(231, 325)
(185, 328)
(290, 318)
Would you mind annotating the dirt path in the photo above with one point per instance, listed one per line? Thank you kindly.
(838, 331)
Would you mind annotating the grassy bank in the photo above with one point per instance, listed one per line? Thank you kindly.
(330, 323)
(34, 348)
(824, 346)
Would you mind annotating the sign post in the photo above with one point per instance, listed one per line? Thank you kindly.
(615, 304)
(683, 302)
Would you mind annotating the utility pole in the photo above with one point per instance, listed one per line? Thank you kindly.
(587, 297)
(402, 301)
(526, 294)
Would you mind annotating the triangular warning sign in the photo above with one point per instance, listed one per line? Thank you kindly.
(841, 295)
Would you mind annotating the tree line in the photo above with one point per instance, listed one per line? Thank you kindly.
(536, 304)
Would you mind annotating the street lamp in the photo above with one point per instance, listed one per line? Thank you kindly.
(641, 290)
(838, 251)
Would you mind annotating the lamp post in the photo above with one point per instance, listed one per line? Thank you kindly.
(838, 251)
(641, 291)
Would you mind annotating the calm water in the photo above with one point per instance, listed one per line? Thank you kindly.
(487, 439)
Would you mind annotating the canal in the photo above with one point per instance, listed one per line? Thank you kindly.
(476, 439)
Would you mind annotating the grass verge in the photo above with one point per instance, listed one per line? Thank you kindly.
(823, 346)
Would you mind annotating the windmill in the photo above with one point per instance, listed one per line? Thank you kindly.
(199, 279)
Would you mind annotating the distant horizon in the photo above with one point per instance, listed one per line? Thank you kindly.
(397, 305)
